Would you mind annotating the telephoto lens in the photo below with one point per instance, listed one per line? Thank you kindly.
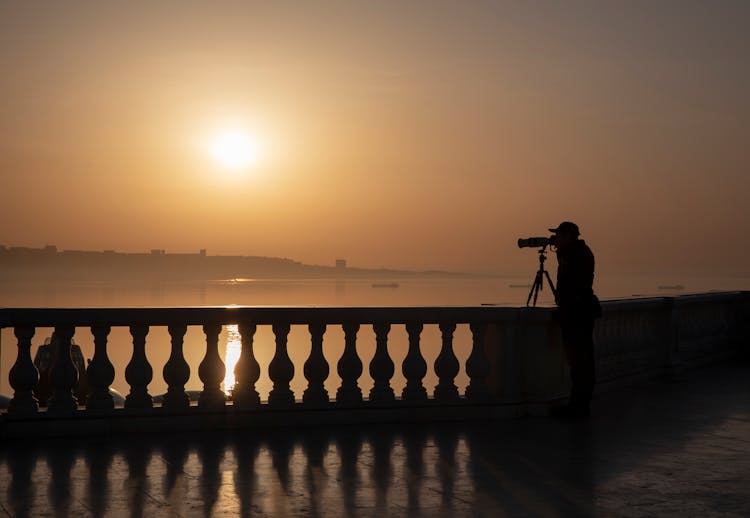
(534, 242)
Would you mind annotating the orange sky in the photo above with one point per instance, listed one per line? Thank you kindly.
(398, 134)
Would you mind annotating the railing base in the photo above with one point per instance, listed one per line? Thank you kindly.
(122, 421)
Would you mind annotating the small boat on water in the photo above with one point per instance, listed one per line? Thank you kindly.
(385, 285)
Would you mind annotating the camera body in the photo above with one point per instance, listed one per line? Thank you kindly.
(536, 242)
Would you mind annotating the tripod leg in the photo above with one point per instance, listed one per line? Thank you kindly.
(535, 288)
(538, 289)
(531, 292)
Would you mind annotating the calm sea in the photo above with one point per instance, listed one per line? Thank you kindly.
(509, 291)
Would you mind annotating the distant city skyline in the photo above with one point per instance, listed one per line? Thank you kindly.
(419, 135)
(50, 263)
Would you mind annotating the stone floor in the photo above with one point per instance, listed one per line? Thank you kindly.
(660, 449)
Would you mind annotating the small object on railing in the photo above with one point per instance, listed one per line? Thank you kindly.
(44, 360)
(63, 375)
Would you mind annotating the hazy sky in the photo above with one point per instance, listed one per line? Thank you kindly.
(401, 134)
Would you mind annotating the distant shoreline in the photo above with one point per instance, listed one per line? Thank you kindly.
(49, 264)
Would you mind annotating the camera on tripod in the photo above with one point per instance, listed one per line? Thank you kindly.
(542, 243)
(537, 242)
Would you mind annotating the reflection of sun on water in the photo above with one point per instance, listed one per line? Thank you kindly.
(234, 346)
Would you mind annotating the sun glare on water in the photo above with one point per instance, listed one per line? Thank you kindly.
(234, 347)
(235, 149)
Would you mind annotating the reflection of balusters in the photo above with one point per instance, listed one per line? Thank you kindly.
(477, 365)
(447, 444)
(246, 477)
(100, 372)
(281, 447)
(246, 371)
(23, 376)
(137, 455)
(60, 462)
(381, 366)
(211, 370)
(316, 367)
(349, 367)
(210, 457)
(349, 480)
(315, 445)
(281, 369)
(446, 365)
(98, 458)
(138, 372)
(176, 371)
(22, 488)
(63, 374)
(414, 444)
(382, 442)
(414, 366)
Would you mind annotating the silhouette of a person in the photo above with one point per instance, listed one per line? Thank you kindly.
(578, 307)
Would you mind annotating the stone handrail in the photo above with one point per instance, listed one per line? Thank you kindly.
(515, 359)
(644, 338)
(139, 372)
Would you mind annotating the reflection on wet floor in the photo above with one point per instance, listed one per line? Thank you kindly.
(385, 470)
(648, 451)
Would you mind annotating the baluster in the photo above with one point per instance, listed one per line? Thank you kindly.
(349, 367)
(176, 371)
(446, 365)
(23, 376)
(477, 365)
(211, 370)
(414, 366)
(316, 367)
(246, 371)
(100, 372)
(381, 366)
(138, 372)
(281, 370)
(63, 374)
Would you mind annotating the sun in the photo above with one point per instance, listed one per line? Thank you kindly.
(235, 149)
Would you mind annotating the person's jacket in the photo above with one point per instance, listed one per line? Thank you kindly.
(575, 280)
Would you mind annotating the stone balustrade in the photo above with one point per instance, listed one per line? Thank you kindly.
(515, 363)
(645, 338)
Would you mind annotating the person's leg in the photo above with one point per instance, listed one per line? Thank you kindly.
(577, 337)
(570, 338)
(586, 363)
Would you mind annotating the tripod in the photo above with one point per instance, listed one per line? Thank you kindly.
(539, 279)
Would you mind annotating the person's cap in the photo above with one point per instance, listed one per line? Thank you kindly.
(566, 227)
